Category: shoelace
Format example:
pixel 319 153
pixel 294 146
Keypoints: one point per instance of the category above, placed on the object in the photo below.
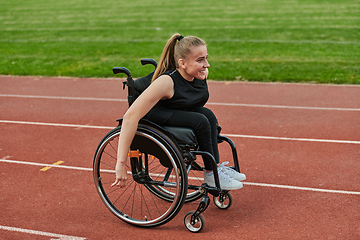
pixel 224 175
pixel 222 165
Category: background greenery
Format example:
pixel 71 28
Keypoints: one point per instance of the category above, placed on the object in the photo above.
pixel 254 40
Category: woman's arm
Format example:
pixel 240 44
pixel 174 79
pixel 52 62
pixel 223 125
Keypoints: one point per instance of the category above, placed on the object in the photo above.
pixel 161 88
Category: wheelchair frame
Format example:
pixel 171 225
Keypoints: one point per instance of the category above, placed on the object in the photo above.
pixel 160 162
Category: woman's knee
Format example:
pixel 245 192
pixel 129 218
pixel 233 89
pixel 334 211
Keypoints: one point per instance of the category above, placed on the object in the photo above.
pixel 208 114
pixel 202 123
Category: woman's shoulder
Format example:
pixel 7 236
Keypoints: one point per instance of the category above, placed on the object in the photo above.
pixel 172 74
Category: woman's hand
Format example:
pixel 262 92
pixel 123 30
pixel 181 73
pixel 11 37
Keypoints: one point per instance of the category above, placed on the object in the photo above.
pixel 121 175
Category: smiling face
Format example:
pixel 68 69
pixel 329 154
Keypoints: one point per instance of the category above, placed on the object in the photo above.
pixel 195 65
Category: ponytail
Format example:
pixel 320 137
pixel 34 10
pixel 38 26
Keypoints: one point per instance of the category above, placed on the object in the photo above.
pixel 167 60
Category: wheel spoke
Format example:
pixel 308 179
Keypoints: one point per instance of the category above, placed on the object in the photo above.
pixel 139 203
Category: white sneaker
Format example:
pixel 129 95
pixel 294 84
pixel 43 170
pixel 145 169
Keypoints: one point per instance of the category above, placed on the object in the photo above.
pixel 226 182
pixel 231 172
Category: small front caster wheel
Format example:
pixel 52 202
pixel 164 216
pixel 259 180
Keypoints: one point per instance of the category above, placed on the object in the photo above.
pixel 194 224
pixel 223 201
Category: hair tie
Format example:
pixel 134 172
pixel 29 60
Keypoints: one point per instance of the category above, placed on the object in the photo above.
pixel 180 37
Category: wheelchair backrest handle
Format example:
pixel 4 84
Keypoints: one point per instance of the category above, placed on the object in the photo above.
pixel 146 61
pixel 136 88
pixel 129 83
pixel 117 70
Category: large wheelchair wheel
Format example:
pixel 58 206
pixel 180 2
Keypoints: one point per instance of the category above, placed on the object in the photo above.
pixel 156 168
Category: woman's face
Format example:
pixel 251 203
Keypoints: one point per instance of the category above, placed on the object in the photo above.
pixel 196 64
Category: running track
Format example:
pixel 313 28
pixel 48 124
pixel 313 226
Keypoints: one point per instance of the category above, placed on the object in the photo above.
pixel 298 144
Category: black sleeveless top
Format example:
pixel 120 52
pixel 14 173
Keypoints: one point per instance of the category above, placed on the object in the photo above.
pixel 187 97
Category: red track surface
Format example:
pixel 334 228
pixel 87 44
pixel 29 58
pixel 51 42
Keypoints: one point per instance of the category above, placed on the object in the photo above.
pixel 319 150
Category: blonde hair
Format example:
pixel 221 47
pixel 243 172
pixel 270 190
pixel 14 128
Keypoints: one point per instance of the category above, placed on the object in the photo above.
pixel 176 48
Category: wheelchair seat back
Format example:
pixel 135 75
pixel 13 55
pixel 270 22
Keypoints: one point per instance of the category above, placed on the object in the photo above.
pixel 140 85
pixel 184 136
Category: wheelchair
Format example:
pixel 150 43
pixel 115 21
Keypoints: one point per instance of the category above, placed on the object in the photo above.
pixel 162 168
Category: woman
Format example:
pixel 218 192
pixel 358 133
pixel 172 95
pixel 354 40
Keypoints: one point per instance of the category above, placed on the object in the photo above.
pixel 176 97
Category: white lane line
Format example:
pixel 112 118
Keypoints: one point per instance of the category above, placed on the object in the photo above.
pixel 209 103
pixel 64 98
pixel 56 124
pixel 41 233
pixel 45 165
pixel 246 183
pixel 293 139
pixel 228 135
pixel 301 188
pixel 284 107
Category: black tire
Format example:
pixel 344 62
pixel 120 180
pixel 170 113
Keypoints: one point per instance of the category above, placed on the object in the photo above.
pixel 135 204
pixel 223 201
pixel 195 226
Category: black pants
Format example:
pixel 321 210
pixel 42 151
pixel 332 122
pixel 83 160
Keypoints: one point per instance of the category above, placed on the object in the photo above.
pixel 203 122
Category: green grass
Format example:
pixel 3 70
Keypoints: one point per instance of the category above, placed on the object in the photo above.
pixel 258 40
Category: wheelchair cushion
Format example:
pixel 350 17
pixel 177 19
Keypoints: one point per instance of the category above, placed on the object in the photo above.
pixel 184 136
